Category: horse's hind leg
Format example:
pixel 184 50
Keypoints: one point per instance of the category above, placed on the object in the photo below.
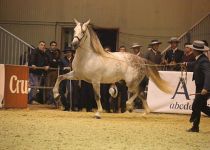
pixel 96 87
pixel 144 102
pixel 142 95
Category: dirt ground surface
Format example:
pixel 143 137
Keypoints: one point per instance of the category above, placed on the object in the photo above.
pixel 44 128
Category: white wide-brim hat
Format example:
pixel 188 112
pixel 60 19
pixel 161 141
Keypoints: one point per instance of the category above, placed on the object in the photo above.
pixel 154 42
pixel 174 39
pixel 135 45
pixel 199 46
pixel 113 91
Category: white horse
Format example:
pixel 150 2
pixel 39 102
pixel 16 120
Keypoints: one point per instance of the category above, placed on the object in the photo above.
pixel 95 65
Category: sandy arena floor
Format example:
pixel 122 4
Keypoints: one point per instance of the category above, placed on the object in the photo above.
pixel 42 129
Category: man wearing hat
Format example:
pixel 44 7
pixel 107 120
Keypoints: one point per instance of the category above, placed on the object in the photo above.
pixel 137 49
pixel 69 101
pixel 201 75
pixel 174 55
pixel 154 54
pixel 188 55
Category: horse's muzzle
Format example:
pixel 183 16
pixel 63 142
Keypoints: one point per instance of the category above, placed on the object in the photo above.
pixel 75 43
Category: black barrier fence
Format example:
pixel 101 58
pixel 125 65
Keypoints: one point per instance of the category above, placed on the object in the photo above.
pixel 42 87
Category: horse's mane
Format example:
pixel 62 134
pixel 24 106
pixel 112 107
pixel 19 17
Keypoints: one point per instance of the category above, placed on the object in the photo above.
pixel 95 43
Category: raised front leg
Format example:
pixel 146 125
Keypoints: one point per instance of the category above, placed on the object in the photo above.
pixel 68 76
pixel 96 87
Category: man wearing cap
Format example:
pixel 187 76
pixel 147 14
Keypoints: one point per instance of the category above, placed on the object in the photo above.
pixel 201 75
pixel 174 55
pixel 137 49
pixel 69 101
pixel 154 54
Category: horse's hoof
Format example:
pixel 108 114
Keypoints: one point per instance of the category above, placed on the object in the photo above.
pixel 56 96
pixel 129 107
pixel 147 111
pixel 97 115
pixel 130 110
pixel 127 112
pixel 144 114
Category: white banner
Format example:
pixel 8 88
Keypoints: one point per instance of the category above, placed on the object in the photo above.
pixel 179 100
pixel 2 83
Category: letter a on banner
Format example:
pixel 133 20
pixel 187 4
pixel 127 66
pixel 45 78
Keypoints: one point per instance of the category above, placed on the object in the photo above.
pixel 181 81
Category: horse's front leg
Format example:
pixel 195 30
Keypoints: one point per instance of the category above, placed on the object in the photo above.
pixel 96 87
pixel 68 76
pixel 129 103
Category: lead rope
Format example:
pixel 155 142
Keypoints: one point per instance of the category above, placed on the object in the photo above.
pixel 184 69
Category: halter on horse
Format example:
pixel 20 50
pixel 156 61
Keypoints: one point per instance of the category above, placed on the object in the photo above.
pixel 95 65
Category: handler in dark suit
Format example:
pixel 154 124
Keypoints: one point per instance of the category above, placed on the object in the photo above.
pixel 201 75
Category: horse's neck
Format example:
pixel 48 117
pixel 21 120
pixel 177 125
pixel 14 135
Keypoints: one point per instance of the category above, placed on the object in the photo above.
pixel 85 47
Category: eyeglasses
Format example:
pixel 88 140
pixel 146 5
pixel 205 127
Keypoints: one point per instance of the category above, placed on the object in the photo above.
pixel 53 45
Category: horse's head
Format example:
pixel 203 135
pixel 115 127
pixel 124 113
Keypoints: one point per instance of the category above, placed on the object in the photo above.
pixel 79 32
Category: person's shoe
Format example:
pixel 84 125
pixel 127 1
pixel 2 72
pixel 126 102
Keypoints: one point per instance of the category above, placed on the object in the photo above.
pixel 35 103
pixel 193 129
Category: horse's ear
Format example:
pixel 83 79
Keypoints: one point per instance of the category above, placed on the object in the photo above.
pixel 84 26
pixel 75 20
pixel 86 23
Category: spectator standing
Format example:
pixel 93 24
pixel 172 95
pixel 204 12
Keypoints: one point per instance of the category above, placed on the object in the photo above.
pixel 68 90
pixel 38 59
pixel 136 48
pixel 174 55
pixel 104 90
pixel 188 55
pixel 122 48
pixel 122 96
pixel 53 54
pixel 154 54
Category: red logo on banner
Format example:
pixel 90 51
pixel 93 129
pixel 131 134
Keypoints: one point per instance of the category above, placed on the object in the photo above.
pixel 16 86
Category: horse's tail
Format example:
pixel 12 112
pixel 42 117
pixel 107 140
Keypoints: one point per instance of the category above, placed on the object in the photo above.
pixel 154 75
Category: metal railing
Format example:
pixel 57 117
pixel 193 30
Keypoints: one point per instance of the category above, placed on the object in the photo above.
pixel 199 31
pixel 13 50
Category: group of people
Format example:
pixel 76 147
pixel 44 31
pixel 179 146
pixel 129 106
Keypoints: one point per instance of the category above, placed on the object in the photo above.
pixel 171 58
pixel 75 95
pixel 195 58
pixel 45 65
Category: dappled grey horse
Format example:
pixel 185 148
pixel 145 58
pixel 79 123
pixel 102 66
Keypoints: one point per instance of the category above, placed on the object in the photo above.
pixel 95 65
